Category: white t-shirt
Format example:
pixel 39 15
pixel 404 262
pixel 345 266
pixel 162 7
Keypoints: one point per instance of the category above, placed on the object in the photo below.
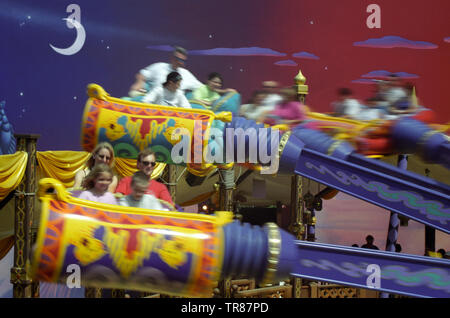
pixel 272 100
pixel 147 201
pixel 369 114
pixel 254 112
pixel 355 110
pixel 394 94
pixel 156 75
pixel 162 96
pixel 348 107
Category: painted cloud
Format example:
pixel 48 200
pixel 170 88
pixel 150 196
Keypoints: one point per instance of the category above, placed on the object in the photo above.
pixel 166 48
pixel 389 42
pixel 242 51
pixel 363 81
pixel 286 63
pixel 305 55
pixel 447 40
pixel 385 74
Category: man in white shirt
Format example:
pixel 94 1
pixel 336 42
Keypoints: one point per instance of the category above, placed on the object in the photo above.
pixel 273 98
pixel 346 106
pixel 155 74
pixel 352 108
pixel 169 93
pixel 395 92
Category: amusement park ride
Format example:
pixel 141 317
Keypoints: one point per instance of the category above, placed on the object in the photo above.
pixel 187 254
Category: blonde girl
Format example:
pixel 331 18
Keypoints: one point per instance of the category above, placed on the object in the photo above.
pixel 96 185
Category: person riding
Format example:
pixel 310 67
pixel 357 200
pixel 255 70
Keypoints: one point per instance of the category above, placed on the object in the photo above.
pixel 169 93
pixel 156 74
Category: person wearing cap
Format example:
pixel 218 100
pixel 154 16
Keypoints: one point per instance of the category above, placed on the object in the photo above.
pixel 155 74
pixel 169 93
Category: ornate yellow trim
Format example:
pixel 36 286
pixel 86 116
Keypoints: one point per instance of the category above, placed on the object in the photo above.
pixel 224 217
pixel 52 189
pixel 225 166
pixel 49 188
pixel 282 127
pixel 283 142
pixel 224 116
pixel 331 119
pixel 375 156
pixel 97 92
pixel 300 81
pixel 274 249
pixel 333 147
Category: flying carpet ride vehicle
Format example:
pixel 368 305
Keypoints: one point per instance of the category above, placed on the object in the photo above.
pixel 184 254
pixel 131 126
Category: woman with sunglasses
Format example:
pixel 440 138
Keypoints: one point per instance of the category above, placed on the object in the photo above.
pixel 146 161
pixel 102 153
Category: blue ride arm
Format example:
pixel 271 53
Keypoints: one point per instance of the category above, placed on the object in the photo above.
pixel 336 164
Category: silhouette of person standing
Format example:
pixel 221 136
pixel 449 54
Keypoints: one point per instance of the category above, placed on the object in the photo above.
pixel 369 243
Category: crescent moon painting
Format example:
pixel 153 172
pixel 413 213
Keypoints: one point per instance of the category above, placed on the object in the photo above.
pixel 79 41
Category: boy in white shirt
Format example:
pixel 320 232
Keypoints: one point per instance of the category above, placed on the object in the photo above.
pixel 138 198
pixel 169 93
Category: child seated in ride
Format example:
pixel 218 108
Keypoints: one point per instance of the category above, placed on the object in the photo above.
pixel 290 111
pixel 348 107
pixel 96 184
pixel 407 104
pixel 138 198
pixel 169 93
pixel 255 108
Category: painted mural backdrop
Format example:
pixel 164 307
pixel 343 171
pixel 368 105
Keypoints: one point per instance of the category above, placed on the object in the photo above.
pixel 52 49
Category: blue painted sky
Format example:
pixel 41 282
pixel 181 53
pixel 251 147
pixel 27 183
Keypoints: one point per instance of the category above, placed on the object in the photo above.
pixel 45 92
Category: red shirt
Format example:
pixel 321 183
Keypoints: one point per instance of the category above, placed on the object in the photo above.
pixel 155 188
